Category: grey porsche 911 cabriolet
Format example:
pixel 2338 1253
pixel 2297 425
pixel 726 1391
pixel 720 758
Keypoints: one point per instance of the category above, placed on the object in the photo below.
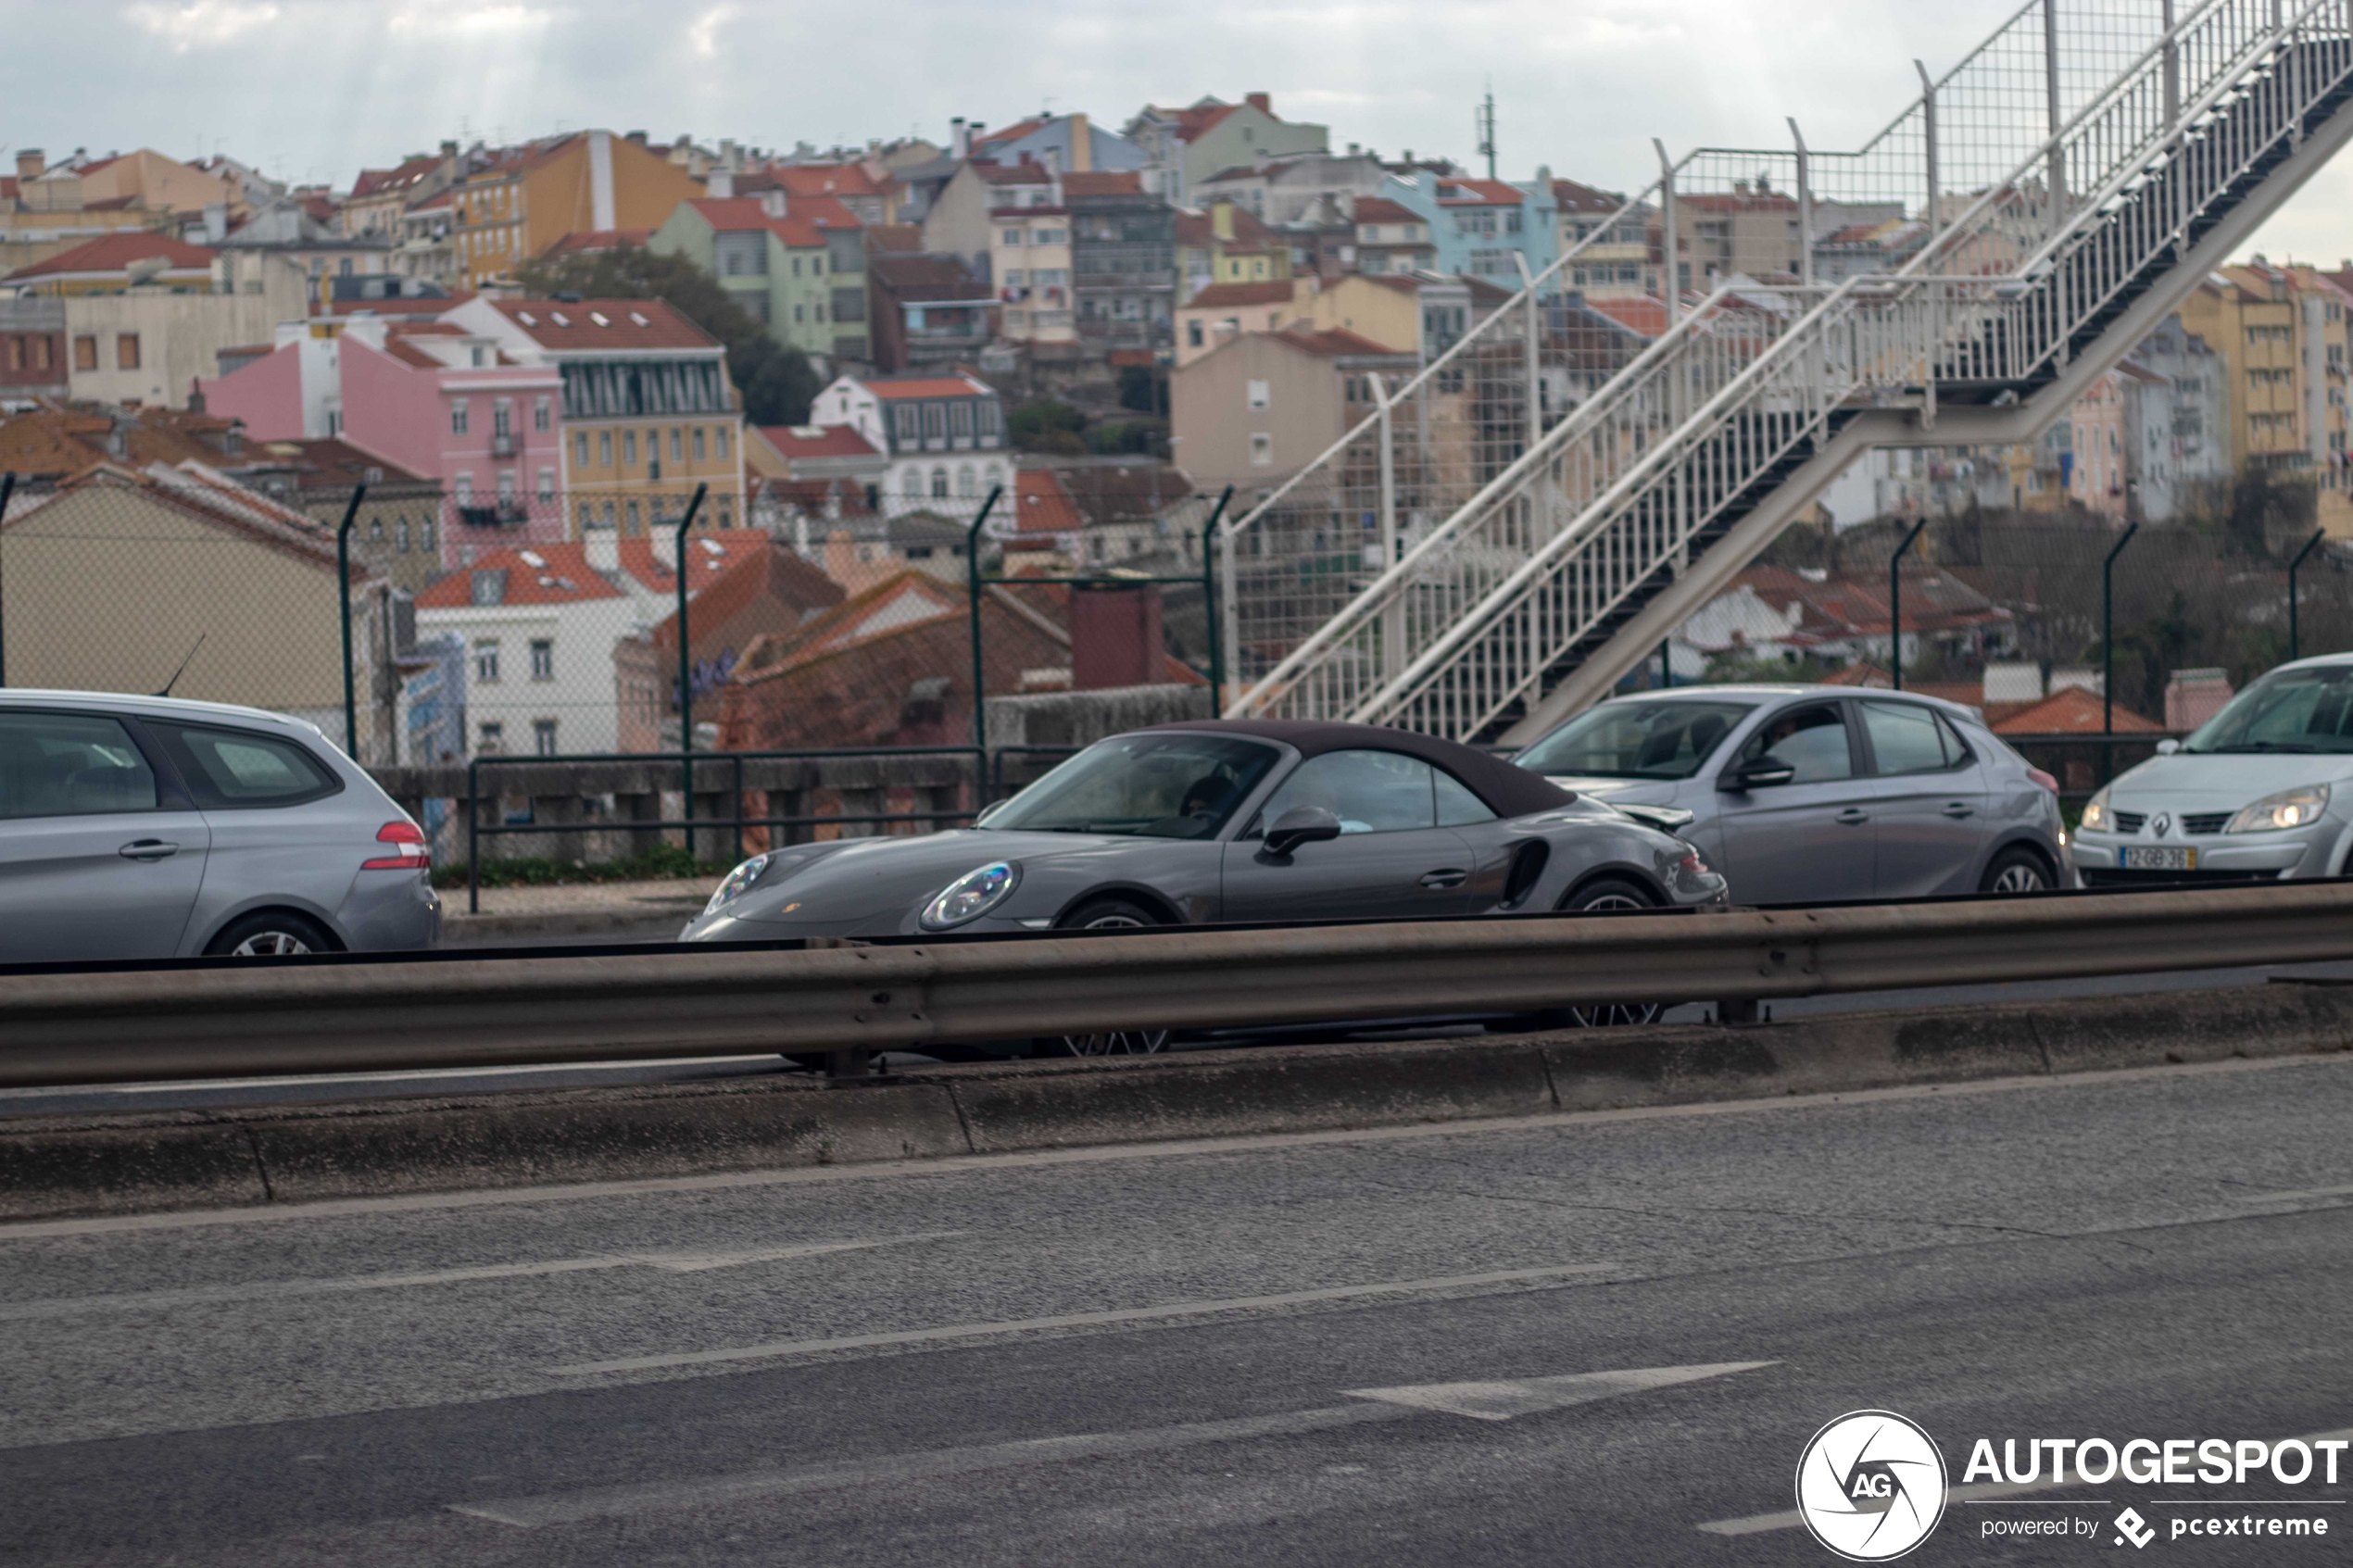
pixel 1228 821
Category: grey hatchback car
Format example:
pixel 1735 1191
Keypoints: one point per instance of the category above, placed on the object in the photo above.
pixel 1802 794
pixel 137 827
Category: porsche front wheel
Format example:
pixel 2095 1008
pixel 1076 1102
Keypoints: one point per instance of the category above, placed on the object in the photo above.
pixel 1107 914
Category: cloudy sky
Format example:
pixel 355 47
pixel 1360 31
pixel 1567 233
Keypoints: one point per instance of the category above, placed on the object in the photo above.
pixel 313 90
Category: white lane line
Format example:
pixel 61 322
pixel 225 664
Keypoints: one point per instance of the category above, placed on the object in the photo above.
pixel 566 1508
pixel 1176 1148
pixel 398 1075
pixel 2306 1195
pixel 202 1295
pixel 1759 1524
pixel 1079 1320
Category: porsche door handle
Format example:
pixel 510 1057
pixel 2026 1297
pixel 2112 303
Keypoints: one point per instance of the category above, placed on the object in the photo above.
pixel 1852 816
pixel 1446 877
pixel 148 849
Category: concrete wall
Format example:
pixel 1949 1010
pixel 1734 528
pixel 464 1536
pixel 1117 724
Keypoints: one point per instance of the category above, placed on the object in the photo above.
pixel 181 337
pixel 1077 718
pixel 1209 403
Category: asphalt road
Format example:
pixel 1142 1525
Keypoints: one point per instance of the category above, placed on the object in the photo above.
pixel 1231 1353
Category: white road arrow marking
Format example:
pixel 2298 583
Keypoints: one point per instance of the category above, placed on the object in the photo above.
pixel 1483 1401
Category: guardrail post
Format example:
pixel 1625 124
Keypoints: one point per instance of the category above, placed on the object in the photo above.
pixel 1895 605
pixel 342 586
pixel 856 1063
pixel 685 679
pixel 2295 643
pixel 8 488
pixel 2107 648
pixel 1209 600
pixel 972 580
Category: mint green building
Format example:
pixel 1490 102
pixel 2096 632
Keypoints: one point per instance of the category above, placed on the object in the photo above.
pixel 802 274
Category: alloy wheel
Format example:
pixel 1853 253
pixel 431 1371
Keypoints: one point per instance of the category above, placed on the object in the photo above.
pixel 270 944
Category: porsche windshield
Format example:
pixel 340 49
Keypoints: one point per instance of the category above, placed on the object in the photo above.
pixel 1635 740
pixel 1149 787
pixel 2307 709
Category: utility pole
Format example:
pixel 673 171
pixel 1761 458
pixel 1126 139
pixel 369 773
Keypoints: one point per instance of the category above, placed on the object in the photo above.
pixel 1484 123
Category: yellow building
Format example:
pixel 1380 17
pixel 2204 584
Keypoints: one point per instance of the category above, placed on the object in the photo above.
pixel 648 412
pixel 2283 333
pixel 1227 245
pixel 522 200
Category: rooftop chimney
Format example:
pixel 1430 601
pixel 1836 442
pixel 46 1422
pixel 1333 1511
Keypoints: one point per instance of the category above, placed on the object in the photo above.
pixel 1260 102
pixel 1221 219
pixel 959 137
pixel 29 163
pixel 603 548
pixel 636 136
pixel 719 185
pixel 772 201
pixel 448 150
pixel 1082 146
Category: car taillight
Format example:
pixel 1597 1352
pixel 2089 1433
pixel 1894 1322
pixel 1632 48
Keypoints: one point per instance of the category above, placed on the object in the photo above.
pixel 2043 779
pixel 411 852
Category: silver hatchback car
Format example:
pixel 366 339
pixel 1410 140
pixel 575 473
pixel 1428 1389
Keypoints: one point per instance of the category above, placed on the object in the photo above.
pixel 140 827
pixel 1803 794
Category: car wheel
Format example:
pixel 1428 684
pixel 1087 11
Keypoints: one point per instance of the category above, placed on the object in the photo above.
pixel 1606 894
pixel 272 934
pixel 2017 869
pixel 1106 914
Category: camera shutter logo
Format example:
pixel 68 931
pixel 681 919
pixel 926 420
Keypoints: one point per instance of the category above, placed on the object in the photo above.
pixel 1870 1486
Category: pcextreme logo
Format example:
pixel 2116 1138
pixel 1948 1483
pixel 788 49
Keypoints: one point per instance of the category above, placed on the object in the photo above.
pixel 1870 1486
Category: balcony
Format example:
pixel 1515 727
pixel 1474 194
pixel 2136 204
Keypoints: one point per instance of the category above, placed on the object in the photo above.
pixel 505 514
pixel 502 446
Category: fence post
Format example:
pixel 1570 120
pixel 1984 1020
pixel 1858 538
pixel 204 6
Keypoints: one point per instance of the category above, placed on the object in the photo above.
pixel 8 488
pixel 1670 284
pixel 2294 643
pixel 1804 206
pixel 343 584
pixel 1928 136
pixel 2056 121
pixel 2107 647
pixel 1895 605
pixel 1209 600
pixel 1531 355
pixel 473 835
pixel 685 679
pixel 971 580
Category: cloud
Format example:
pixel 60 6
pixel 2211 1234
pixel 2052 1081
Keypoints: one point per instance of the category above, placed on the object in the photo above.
pixel 202 23
pixel 480 21
pixel 703 36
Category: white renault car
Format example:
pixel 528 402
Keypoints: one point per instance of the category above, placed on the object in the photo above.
pixel 2262 792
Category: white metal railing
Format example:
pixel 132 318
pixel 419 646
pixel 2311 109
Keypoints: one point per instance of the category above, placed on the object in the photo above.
pixel 1557 509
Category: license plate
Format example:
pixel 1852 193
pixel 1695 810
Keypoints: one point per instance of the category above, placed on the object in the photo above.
pixel 2160 860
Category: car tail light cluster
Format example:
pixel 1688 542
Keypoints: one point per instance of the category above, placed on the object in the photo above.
pixel 409 852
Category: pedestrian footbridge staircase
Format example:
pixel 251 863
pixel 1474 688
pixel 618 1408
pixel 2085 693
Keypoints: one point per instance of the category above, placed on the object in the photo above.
pixel 1508 533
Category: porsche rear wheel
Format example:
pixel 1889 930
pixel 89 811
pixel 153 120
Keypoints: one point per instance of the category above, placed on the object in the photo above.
pixel 1606 895
pixel 1107 914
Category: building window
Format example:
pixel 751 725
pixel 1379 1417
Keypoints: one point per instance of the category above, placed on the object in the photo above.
pixel 608 514
pixel 908 422
pixel 580 449
pixel 486 663
pixel 375 530
pixel 699 444
pixel 1261 450
pixel 16 353
pixel 126 351
pixel 796 314
pixel 547 485
pixel 400 535
pixel 457 421
pixel 502 417
pixel 542 659
pixel 425 532
pixel 335 422
pixel 939 485
pixel 465 488
pixel 913 485
pixel 726 513
pixel 494 737
pixel 604 447
pixel 722 434
pixel 960 418
pixel 41 356
pixel 677 446
pixel 966 483
pixel 1257 394
pixel 1192 333
pixel 543 736
pixel 1012 236
pixel 506 488
pixel 633 517
pixel 629 448
pixel 543 412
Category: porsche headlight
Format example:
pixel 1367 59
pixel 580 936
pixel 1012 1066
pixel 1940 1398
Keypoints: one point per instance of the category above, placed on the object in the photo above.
pixel 970 895
pixel 2289 808
pixel 738 882
pixel 2096 816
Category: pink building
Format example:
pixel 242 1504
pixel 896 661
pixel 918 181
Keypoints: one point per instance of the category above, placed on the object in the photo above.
pixel 429 395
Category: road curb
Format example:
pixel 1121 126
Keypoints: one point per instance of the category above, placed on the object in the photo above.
pixel 58 1166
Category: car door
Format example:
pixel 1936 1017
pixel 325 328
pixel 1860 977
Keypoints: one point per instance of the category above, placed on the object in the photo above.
pixel 1811 839
pixel 100 855
pixel 283 832
pixel 1392 858
pixel 1928 800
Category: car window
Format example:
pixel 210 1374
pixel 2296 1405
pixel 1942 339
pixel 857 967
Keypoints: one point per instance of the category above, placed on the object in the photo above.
pixel 1636 739
pixel 240 767
pixel 1180 784
pixel 1906 738
pixel 1368 791
pixel 1957 749
pixel 1811 740
pixel 1457 807
pixel 2295 710
pixel 70 765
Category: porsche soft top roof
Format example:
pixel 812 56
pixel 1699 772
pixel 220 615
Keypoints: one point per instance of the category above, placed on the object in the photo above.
pixel 1507 791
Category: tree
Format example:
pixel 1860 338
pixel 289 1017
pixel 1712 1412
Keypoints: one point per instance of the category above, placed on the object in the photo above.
pixel 1047 426
pixel 777 382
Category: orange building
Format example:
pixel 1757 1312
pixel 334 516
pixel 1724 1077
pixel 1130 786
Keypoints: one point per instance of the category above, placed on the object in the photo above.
pixel 526 199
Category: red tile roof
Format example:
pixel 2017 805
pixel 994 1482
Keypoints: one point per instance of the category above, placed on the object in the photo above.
pixel 586 325
pixel 1041 505
pixel 801 228
pixel 2071 710
pixel 1103 183
pixel 112 253
pixel 708 558
pixel 587 241
pixel 1196 122
pixel 994 173
pixel 1646 317
pixel 1459 190
pixel 798 443
pixel 1380 209
pixel 375 181
pixel 894 238
pixel 1015 131
pixel 810 179
pixel 1221 295
pixel 1334 342
pixel 923 386
pixel 1571 196
pixel 536 575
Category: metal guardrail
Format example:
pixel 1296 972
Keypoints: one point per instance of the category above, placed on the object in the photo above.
pixel 373 1014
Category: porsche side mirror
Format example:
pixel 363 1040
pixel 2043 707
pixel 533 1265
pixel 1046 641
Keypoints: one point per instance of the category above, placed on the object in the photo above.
pixel 1301 824
pixel 1762 772
pixel 2168 747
